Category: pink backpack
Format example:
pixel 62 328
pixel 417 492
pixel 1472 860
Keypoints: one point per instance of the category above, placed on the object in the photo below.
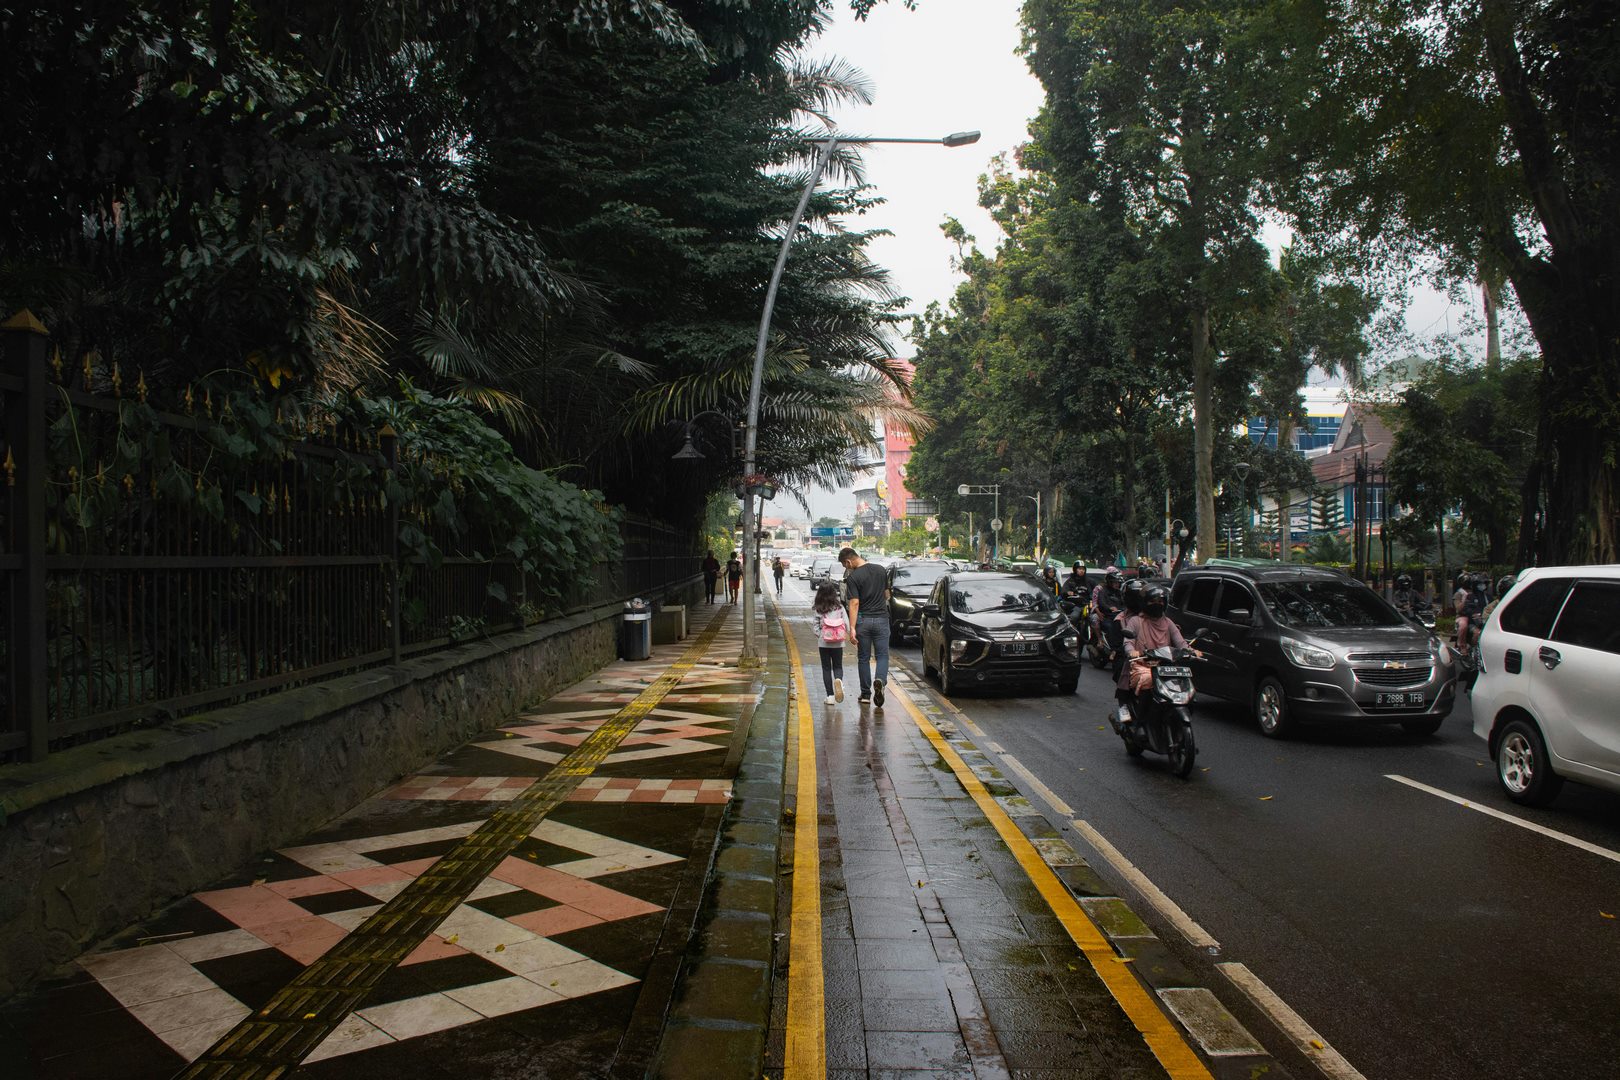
pixel 834 627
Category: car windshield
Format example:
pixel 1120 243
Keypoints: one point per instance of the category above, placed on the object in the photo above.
pixel 919 576
pixel 999 594
pixel 1327 604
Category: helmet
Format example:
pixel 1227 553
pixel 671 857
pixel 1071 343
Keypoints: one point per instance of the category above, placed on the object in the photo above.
pixel 1481 582
pixel 1404 581
pixel 1154 600
pixel 1115 576
pixel 1134 590
pixel 1504 583
pixel 1079 566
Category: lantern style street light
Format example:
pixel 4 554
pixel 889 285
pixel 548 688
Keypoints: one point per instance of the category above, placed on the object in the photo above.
pixel 750 648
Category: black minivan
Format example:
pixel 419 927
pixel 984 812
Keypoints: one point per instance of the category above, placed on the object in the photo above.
pixel 1306 643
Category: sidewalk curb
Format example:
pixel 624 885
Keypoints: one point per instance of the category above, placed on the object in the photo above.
pixel 720 1012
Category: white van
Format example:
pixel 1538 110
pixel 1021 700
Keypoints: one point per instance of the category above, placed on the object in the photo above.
pixel 1545 701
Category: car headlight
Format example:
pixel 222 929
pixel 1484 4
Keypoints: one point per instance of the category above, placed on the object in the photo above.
pixel 958 647
pixel 1070 643
pixel 1307 656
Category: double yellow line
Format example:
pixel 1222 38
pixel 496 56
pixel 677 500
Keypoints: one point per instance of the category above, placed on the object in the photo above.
pixel 806 1052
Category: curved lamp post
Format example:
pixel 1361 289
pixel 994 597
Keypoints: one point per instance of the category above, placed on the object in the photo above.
pixel 750 649
pixel 1242 469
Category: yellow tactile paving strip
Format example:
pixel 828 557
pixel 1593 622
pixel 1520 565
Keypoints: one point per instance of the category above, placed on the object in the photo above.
pixel 272 1041
pixel 806 1057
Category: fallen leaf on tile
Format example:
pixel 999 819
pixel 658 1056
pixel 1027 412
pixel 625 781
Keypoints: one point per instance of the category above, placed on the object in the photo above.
pixel 452 939
pixel 1265 798
pixel 1605 914
pixel 1318 1044
pixel 309 1016
pixel 500 948
pixel 259 881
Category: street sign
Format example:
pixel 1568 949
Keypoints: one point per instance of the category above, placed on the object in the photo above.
pixel 921 508
pixel 931 525
pixel 825 532
pixel 995 524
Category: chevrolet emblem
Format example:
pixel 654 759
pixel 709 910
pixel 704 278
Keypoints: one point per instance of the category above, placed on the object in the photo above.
pixel 1394 665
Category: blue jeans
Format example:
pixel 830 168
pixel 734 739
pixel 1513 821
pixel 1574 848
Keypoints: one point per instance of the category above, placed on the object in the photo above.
pixel 872 635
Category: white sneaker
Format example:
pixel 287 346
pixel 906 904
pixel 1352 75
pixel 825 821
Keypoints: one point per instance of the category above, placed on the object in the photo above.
pixel 838 690
pixel 831 700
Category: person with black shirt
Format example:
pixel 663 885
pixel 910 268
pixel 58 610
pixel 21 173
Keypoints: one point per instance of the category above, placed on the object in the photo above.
pixel 711 573
pixel 867 586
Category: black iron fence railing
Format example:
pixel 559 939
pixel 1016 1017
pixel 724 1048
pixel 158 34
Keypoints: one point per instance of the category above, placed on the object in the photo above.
pixel 148 568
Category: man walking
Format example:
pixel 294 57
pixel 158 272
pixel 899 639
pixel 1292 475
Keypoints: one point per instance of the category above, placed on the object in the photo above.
pixel 778 569
pixel 868 589
pixel 711 574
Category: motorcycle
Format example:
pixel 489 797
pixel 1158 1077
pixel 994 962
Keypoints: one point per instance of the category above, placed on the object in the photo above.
pixel 1161 722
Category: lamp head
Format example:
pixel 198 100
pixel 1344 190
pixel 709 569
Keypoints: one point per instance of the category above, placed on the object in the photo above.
pixel 960 138
pixel 688 452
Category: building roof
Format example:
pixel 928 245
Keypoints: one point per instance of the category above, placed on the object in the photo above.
pixel 1363 429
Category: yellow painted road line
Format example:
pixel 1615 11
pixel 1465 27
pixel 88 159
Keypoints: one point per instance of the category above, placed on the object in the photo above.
pixel 1162 1036
pixel 806 1057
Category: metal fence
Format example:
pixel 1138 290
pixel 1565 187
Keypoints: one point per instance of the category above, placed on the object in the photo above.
pixel 145 571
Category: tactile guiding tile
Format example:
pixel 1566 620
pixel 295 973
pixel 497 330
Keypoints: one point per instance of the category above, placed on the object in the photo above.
pixel 1218 1032
pixel 321 997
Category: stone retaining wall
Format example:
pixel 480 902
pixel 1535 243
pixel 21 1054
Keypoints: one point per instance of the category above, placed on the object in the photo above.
pixel 100 836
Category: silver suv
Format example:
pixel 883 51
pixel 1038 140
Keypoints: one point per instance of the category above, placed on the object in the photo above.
pixel 1305 643
pixel 1550 663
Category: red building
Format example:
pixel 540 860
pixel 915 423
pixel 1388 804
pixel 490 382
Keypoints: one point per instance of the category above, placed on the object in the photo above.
pixel 896 456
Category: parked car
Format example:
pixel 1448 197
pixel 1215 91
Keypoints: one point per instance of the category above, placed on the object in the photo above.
pixel 910 584
pixel 1305 643
pixel 989 628
pixel 824 570
pixel 1550 663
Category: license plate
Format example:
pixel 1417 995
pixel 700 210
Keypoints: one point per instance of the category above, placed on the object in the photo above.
pixel 1400 699
pixel 1175 672
pixel 1019 648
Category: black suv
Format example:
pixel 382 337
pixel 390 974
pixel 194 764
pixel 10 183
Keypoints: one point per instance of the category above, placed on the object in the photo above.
pixel 909 586
pixel 1305 643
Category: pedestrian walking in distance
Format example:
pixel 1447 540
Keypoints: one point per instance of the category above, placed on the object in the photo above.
pixel 868 589
pixel 711 573
pixel 733 578
pixel 832 630
pixel 778 570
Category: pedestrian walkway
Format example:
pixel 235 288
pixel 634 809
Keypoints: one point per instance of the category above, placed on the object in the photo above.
pixel 929 936
pixel 506 912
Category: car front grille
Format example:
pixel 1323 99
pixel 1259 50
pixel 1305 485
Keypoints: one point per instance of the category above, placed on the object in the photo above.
pixel 1394 677
pixel 1403 657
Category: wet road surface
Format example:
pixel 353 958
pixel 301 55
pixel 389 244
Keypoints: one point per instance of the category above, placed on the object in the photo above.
pixel 1420 937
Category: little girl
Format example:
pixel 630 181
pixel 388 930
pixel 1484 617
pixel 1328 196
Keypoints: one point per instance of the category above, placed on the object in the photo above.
pixel 832 630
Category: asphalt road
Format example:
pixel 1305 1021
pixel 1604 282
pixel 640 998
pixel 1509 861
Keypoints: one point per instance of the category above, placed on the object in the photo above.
pixel 1423 939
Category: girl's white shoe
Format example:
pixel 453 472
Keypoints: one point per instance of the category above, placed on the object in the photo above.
pixel 831 700
pixel 838 690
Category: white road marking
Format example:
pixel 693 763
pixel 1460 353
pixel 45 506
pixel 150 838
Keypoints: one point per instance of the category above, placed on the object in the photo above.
pixel 1305 1037
pixel 1572 841
pixel 1196 935
pixel 1040 789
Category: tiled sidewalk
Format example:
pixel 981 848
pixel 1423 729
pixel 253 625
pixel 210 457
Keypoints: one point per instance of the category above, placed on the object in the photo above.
pixel 940 957
pixel 538 972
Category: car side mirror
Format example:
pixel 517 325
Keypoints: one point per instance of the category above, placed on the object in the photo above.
pixel 930 611
pixel 1207 635
pixel 1240 617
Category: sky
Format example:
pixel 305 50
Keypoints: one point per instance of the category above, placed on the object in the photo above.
pixel 952 65
pixel 949 66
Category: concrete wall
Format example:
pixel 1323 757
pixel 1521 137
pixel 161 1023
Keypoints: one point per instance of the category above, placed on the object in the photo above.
pixel 100 836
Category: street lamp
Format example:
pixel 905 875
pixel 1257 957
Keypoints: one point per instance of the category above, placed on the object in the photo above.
pixel 750 651
pixel 690 452
pixel 1036 499
pixel 1242 470
pixel 995 521
pixel 1179 534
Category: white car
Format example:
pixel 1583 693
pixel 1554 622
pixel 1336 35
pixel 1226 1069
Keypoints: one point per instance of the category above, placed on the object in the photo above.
pixel 1550 666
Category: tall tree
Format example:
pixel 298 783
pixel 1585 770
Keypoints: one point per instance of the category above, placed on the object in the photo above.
pixel 1484 130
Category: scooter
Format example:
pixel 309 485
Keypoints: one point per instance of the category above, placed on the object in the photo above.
pixel 1162 722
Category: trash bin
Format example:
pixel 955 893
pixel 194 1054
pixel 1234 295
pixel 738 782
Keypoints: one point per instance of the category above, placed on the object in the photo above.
pixel 635 635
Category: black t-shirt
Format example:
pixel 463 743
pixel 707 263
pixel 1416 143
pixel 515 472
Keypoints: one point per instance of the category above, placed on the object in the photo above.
pixel 868 583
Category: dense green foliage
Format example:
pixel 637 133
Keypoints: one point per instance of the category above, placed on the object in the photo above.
pixel 560 215
pixel 1133 316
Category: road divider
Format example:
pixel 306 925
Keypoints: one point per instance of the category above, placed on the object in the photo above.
pixel 1167 908
pixel 1312 1045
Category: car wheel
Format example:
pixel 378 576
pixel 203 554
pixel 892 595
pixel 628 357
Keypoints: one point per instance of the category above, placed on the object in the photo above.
pixel 1427 726
pixel 1271 708
pixel 928 669
pixel 1522 765
pixel 1069 684
pixel 897 636
pixel 947 682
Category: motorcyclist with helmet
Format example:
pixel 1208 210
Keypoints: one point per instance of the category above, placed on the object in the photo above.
pixel 1107 601
pixel 1049 578
pixel 1469 611
pixel 1503 584
pixel 1074 588
pixel 1145 631
pixel 1134 602
pixel 1409 601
